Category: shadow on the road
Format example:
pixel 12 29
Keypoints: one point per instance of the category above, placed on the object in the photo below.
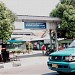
pixel 55 73
pixel 52 73
pixel 66 74
pixel 30 55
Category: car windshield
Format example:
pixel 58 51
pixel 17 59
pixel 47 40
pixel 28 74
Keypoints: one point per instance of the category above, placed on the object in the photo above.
pixel 72 45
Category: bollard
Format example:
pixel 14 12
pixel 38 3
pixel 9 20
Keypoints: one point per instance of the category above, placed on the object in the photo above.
pixel 1 65
pixel 16 63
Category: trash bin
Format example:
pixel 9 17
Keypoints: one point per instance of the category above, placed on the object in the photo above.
pixel 4 53
pixel 0 58
pixel 5 56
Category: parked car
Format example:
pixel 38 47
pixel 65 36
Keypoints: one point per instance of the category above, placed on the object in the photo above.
pixel 63 61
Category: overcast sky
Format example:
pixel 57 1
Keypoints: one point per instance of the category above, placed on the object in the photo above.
pixel 31 7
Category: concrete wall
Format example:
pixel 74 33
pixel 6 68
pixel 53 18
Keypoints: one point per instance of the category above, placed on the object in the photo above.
pixel 19 25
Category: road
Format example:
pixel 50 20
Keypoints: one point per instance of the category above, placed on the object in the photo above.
pixel 35 64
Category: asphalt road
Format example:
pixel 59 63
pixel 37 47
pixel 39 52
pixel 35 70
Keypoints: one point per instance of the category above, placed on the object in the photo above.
pixel 31 64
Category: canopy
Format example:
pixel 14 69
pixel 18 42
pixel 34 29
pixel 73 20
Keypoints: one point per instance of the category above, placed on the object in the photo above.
pixel 72 44
pixel 65 41
pixel 15 41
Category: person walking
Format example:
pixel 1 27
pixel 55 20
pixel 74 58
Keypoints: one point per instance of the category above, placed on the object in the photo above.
pixel 43 48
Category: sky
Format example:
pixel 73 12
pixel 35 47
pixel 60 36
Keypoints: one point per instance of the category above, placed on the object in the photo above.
pixel 31 7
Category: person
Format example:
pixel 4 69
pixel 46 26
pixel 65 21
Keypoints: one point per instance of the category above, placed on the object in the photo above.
pixel 27 47
pixel 31 47
pixel 61 47
pixel 43 48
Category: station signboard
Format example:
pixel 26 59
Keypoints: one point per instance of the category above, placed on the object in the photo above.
pixel 35 25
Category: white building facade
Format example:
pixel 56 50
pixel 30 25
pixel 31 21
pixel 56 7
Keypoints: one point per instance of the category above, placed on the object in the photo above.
pixel 30 28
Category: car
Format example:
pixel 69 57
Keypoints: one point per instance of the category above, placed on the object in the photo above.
pixel 63 61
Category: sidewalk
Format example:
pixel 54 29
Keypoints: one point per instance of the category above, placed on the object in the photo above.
pixel 24 60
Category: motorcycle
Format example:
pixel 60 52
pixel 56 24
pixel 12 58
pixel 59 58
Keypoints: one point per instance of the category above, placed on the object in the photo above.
pixel 49 51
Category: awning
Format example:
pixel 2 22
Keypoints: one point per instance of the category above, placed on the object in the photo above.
pixel 15 41
pixel 65 41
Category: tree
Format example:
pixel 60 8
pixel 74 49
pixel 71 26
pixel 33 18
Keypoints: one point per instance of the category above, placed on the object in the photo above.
pixel 7 18
pixel 65 10
pixel 69 2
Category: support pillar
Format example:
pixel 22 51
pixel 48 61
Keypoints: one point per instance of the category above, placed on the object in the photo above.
pixel 50 38
pixel 56 41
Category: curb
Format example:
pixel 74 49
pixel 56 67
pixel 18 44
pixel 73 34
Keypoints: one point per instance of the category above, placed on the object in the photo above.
pixel 10 64
pixel 16 62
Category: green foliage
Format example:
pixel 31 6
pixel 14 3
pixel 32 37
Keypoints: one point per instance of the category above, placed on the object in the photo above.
pixel 7 19
pixel 66 11
pixel 68 2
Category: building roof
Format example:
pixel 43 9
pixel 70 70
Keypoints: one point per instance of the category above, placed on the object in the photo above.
pixel 37 18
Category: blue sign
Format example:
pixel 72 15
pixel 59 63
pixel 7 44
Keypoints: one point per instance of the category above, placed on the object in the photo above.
pixel 35 25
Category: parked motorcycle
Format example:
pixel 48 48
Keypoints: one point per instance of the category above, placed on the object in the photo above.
pixel 49 51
